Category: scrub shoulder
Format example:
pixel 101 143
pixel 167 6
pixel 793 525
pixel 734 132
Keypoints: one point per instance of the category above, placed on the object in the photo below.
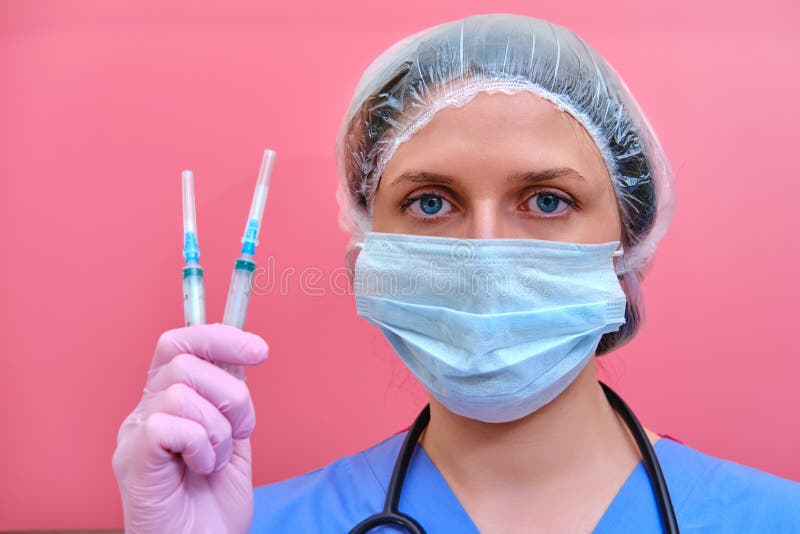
pixel 330 499
pixel 716 495
pixel 709 494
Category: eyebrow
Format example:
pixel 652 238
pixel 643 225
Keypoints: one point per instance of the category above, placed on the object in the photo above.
pixel 425 177
pixel 547 174
pixel 517 178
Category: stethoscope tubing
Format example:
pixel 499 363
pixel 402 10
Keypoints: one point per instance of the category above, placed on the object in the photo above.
pixel 390 515
pixel 651 463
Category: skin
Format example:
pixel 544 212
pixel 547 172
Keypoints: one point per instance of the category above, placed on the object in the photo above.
pixel 474 169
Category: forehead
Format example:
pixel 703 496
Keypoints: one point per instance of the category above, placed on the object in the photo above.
pixel 502 131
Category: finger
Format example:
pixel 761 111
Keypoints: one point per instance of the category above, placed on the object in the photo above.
pixel 227 394
pixel 182 401
pixel 212 342
pixel 168 434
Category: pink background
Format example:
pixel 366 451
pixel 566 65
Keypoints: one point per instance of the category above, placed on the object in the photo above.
pixel 103 103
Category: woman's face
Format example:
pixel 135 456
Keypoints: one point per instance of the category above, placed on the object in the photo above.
pixel 500 166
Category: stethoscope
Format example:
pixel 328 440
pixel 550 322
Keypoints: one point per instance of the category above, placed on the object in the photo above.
pixel 390 515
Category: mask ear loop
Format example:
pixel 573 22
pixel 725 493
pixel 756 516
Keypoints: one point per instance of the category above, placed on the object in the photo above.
pixel 619 265
pixel 351 256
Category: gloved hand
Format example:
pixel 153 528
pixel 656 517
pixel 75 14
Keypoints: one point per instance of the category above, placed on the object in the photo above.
pixel 183 461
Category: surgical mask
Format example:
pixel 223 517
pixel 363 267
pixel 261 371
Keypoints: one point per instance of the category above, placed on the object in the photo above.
pixel 494 329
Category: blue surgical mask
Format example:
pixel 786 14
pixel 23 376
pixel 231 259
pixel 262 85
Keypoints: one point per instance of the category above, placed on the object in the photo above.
pixel 493 328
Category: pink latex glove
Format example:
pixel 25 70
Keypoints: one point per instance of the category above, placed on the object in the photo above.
pixel 183 461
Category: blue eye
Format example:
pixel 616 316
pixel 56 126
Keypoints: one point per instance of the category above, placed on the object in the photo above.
pixel 430 204
pixel 427 205
pixel 547 203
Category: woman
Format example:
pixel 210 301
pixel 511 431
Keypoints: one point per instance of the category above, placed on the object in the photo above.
pixel 505 194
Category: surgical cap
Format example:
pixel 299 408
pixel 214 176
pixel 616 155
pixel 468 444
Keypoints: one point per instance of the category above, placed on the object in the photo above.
pixel 449 64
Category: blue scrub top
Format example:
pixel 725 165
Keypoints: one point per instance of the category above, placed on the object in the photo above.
pixel 709 495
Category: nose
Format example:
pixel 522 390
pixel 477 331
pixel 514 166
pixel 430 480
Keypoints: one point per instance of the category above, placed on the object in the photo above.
pixel 485 222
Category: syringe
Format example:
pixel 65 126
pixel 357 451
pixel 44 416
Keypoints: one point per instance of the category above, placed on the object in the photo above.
pixel 194 298
pixel 239 293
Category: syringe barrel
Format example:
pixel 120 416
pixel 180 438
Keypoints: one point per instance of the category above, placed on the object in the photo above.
pixel 236 305
pixel 194 296
pixel 239 293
